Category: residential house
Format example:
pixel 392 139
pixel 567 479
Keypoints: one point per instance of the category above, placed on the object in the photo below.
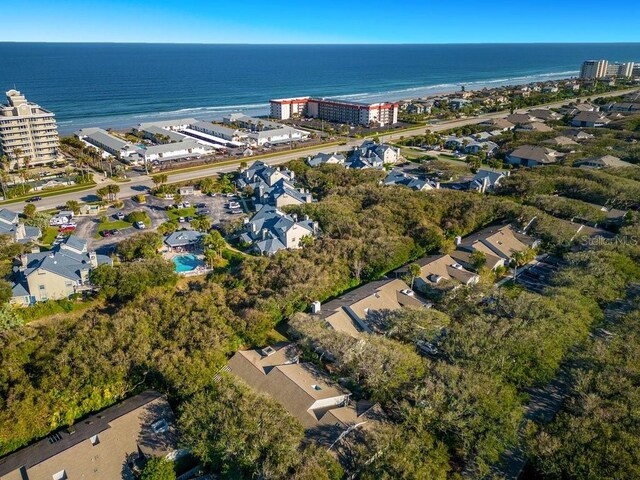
pixel 536 127
pixel 323 407
pixel 397 177
pixel 357 311
pixel 436 270
pixel 590 119
pixel 458 103
pixel 475 147
pixel 111 444
pixel 498 124
pixel 500 241
pixel 602 162
pixel 272 186
pixel 486 180
pixel 373 155
pixel 531 156
pixel 521 118
pixel 575 108
pixel 18 232
pixel 260 172
pixel 281 194
pixel 466 259
pixel 326 159
pixel 545 114
pixel 56 274
pixel 577 134
pixel 271 230
pixel 561 141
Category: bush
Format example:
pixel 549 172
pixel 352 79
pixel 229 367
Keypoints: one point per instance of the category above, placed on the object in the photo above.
pixel 158 468
pixel 138 216
pixel 141 245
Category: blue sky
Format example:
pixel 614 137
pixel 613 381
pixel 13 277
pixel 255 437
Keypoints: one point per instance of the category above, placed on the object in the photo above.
pixel 330 21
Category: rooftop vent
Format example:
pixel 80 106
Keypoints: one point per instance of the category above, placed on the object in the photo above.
pixel 316 307
pixel 457 266
pixel 56 437
pixel 267 351
pixel 160 426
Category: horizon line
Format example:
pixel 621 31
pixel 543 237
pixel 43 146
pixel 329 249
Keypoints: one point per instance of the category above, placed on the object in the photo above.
pixel 106 42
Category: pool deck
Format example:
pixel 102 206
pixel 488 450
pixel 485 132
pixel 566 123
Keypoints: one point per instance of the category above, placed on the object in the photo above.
pixel 198 270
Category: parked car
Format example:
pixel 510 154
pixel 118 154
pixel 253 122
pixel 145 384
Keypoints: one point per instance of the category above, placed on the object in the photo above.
pixel 204 211
pixel 120 216
pixel 236 211
pixel 106 233
pixel 66 229
pixel 186 204
pixel 181 220
pixel 200 205
pixel 189 219
pixel 140 225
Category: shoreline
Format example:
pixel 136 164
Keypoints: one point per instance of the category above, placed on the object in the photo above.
pixel 119 122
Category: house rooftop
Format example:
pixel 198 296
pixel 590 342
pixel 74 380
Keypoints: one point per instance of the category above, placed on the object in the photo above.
pixel 132 422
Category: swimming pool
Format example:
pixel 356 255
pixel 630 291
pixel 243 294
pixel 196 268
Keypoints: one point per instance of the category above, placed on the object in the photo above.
pixel 186 263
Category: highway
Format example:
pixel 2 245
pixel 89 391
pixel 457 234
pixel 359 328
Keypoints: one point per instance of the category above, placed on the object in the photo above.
pixel 142 183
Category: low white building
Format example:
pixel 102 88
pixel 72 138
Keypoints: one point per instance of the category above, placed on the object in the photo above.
pixel 106 142
pixel 172 151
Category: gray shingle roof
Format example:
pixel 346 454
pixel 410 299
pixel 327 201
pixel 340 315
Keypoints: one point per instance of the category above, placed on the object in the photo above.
pixel 183 238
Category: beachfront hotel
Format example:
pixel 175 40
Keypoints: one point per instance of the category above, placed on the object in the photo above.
pixel 602 69
pixel 355 113
pixel 27 131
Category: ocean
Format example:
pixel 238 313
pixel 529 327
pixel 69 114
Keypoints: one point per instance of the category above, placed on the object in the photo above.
pixel 119 85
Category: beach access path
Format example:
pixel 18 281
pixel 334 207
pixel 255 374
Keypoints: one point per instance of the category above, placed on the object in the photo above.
pixel 142 183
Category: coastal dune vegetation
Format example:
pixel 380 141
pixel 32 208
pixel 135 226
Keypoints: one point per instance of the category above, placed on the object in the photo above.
pixel 457 412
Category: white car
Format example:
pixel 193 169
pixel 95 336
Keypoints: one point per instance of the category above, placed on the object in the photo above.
pixel 140 225
pixel 186 204
pixel 181 220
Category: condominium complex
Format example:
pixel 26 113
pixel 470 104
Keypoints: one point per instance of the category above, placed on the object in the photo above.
pixel 620 69
pixel 602 68
pixel 27 131
pixel 355 113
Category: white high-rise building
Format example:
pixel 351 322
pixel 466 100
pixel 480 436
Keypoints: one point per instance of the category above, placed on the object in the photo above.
pixel 27 131
pixel 620 69
pixel 594 69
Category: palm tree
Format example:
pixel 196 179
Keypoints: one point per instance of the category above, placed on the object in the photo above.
pixel 4 177
pixel 110 162
pixel 113 191
pixel 414 270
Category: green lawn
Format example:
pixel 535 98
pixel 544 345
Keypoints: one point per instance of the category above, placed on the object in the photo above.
pixel 112 225
pixel 175 213
pixel 49 236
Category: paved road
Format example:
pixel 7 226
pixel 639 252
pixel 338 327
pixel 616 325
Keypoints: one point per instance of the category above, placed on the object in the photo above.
pixel 142 183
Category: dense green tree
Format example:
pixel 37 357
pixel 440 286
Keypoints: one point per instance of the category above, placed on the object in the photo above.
pixel 240 432
pixel 29 210
pixel 158 468
pixel 140 245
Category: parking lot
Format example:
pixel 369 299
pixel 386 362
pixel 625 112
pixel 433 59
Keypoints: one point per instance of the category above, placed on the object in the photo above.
pixel 536 276
pixel 215 207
